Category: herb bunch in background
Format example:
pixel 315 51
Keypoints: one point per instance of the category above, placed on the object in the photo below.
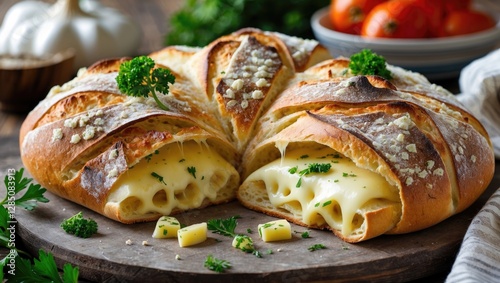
pixel 199 22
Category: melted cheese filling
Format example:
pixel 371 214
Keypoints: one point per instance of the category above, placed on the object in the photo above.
pixel 178 176
pixel 338 197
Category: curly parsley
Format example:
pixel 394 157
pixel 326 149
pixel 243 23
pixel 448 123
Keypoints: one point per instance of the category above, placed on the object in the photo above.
pixel 366 62
pixel 139 77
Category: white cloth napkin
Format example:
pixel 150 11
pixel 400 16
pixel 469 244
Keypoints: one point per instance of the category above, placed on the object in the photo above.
pixel 479 257
pixel 480 93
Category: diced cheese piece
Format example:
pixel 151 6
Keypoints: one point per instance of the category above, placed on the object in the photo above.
pixel 244 243
pixel 166 227
pixel 192 235
pixel 277 230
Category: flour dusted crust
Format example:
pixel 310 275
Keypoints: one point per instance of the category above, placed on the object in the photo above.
pixel 247 101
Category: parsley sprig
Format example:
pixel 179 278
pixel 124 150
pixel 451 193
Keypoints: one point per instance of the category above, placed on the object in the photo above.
pixel 366 62
pixel 139 77
pixel 224 227
pixel 32 195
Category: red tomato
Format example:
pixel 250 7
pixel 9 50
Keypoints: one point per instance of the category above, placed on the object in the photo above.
pixel 348 15
pixel 434 11
pixel 454 5
pixel 465 22
pixel 395 19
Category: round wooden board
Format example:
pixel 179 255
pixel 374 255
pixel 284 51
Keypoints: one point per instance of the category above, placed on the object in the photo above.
pixel 106 257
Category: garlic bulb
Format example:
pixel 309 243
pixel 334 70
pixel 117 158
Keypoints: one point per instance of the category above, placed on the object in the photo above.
pixel 95 32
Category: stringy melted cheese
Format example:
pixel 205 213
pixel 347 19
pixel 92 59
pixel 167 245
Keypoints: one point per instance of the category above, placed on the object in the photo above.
pixel 338 197
pixel 176 176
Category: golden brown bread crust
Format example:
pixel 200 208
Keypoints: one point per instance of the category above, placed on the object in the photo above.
pixel 450 166
pixel 246 93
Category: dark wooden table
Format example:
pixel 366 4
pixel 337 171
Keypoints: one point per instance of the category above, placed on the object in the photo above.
pixel 152 15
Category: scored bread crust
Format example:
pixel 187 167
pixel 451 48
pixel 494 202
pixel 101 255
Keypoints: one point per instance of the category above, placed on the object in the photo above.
pixel 242 96
pixel 357 117
pixel 108 123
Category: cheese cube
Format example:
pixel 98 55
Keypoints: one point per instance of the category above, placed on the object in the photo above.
pixel 277 230
pixel 192 235
pixel 166 227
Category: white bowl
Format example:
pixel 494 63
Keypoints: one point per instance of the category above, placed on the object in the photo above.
pixel 436 58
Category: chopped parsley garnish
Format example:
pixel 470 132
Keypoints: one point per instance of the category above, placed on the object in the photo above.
pixel 316 247
pixel 139 77
pixel 327 203
pixel 366 62
pixel 257 253
pixel 158 177
pixel 217 265
pixel 348 175
pixel 311 168
pixel 192 171
pixel 293 170
pixel 305 235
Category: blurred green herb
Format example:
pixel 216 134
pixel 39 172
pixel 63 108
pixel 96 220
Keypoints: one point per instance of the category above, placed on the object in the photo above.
pixel 199 22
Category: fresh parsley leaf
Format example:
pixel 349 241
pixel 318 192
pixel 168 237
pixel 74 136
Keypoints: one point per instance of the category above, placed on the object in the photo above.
pixel 215 264
pixel 366 62
pixel 45 265
pixel 44 269
pixel 31 196
pixel 139 77
pixel 4 233
pixel 225 227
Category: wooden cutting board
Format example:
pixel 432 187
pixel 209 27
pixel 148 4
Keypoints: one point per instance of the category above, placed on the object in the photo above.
pixel 106 257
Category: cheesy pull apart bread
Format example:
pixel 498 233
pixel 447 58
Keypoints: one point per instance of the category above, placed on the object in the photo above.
pixel 271 120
